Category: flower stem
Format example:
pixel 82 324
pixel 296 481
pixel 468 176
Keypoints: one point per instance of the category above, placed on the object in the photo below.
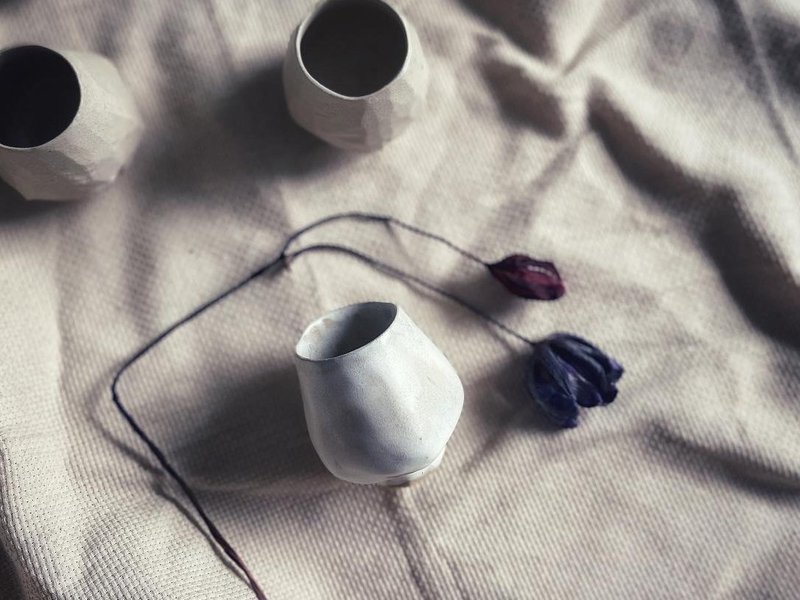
pixel 403 275
pixel 363 216
pixel 215 533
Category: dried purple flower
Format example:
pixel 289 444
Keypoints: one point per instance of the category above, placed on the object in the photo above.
pixel 528 278
pixel 565 372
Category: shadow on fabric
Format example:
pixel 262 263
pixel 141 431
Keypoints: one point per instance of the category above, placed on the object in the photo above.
pixel 523 100
pixel 733 464
pixel 481 290
pixel 10 585
pixel 256 116
pixel 256 435
pixel 245 136
pixel 765 292
pixel 504 409
pixel 512 400
pixel 14 208
pixel 531 34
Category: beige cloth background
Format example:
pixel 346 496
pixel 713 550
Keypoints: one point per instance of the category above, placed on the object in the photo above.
pixel 650 148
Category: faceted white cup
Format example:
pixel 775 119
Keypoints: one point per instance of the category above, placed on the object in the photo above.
pixel 68 123
pixel 380 399
pixel 355 74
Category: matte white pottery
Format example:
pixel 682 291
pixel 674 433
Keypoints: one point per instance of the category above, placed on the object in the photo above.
pixel 380 399
pixel 355 74
pixel 67 122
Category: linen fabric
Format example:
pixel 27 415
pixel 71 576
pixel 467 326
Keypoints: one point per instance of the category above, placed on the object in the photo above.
pixel 650 149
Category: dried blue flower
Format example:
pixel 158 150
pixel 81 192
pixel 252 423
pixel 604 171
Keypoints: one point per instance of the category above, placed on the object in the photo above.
pixel 565 372
pixel 528 278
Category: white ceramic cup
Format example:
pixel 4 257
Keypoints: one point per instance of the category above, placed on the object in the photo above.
pixel 355 74
pixel 380 399
pixel 68 123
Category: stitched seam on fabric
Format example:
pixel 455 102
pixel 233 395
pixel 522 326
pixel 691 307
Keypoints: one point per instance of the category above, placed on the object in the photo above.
pixel 10 535
pixel 419 549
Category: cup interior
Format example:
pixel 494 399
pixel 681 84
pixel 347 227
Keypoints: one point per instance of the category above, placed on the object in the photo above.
pixel 39 96
pixel 354 47
pixel 345 330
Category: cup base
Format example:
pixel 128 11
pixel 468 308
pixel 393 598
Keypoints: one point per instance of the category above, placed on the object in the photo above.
pixel 399 480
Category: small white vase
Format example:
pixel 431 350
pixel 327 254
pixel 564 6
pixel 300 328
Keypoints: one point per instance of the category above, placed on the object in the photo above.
pixel 355 74
pixel 380 399
pixel 68 123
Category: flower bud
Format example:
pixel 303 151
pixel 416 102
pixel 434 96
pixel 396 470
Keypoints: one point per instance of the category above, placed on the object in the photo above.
pixel 529 278
pixel 566 372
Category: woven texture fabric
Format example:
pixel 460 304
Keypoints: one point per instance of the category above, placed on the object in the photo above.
pixel 649 148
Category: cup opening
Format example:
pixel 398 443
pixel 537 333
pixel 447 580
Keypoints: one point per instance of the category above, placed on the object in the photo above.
pixel 354 47
pixel 39 96
pixel 346 329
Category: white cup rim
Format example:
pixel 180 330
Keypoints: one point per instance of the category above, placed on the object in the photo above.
pixel 303 343
pixel 77 110
pixel 301 29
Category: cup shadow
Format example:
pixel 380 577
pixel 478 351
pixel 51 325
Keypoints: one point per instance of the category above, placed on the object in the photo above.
pixel 14 207
pixel 509 384
pixel 8 571
pixel 482 291
pixel 501 404
pixel 245 135
pixel 255 437
pixel 255 114
pixel 12 204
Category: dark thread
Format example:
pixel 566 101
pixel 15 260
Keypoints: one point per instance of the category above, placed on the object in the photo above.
pixel 395 272
pixel 362 216
pixel 216 534
pixel 283 259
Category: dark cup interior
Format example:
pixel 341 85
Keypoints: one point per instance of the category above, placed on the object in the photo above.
pixel 354 47
pixel 345 330
pixel 39 96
